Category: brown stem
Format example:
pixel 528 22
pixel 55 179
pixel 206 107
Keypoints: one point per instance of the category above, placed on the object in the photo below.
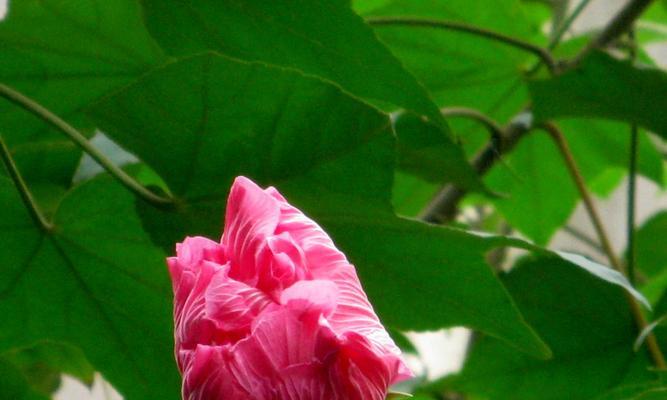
pixel 543 54
pixel 640 320
pixel 496 131
pixel 444 205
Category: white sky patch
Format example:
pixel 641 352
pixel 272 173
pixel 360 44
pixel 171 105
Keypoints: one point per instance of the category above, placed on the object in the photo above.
pixel 4 7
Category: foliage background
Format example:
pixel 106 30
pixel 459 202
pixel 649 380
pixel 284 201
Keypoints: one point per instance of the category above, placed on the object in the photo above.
pixel 296 94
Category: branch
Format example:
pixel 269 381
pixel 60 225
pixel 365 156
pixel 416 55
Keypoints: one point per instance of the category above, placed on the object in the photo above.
pixel 26 196
pixel 620 24
pixel 35 108
pixel 543 54
pixel 444 205
pixel 496 131
pixel 640 320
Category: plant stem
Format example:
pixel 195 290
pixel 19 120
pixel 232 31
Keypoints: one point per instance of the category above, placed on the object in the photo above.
pixel 543 54
pixel 496 131
pixel 640 320
pixel 26 196
pixel 443 206
pixel 35 108
pixel 618 25
pixel 632 182
pixel 632 188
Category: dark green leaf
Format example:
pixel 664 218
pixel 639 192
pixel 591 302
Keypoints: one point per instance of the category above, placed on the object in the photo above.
pixel 587 324
pixel 96 282
pixel 13 384
pixel 651 252
pixel 331 155
pixel 323 38
pixel 608 88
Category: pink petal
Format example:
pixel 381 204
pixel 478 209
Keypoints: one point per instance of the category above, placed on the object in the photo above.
pixel 250 218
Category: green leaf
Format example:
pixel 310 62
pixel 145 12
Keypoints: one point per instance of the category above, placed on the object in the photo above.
pixel 651 253
pixel 651 257
pixel 96 281
pixel 43 363
pixel 586 323
pixel 634 391
pixel 410 194
pixel 323 38
pixel 13 384
pixel 65 55
pixel 331 155
pixel 607 88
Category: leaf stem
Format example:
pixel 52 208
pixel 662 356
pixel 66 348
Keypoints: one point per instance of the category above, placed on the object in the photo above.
pixel 496 131
pixel 543 54
pixel 640 320
pixel 37 109
pixel 26 196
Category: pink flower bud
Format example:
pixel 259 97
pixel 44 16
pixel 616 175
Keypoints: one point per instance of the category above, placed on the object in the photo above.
pixel 275 311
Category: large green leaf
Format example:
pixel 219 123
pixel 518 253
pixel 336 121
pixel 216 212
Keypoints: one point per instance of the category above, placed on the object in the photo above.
pixel 323 38
pixel 586 323
pixel 201 121
pixel 96 281
pixel 605 87
pixel 65 54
